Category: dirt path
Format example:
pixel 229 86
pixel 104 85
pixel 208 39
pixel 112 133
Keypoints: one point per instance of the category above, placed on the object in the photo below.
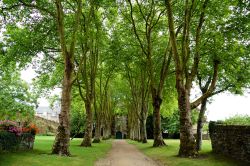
pixel 124 154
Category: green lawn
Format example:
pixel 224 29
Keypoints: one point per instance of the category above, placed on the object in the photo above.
pixel 168 155
pixel 41 156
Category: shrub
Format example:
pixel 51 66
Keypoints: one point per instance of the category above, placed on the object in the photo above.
pixel 10 126
pixel 27 141
pixel 12 137
pixel 7 123
pixel 30 129
pixel 9 141
pixel 238 120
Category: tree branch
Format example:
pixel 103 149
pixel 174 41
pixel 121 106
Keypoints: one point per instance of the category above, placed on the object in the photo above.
pixel 197 42
pixel 208 93
pixel 173 40
pixel 39 8
pixel 75 28
pixel 134 27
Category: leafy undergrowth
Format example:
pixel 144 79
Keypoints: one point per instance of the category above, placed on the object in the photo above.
pixel 41 156
pixel 168 155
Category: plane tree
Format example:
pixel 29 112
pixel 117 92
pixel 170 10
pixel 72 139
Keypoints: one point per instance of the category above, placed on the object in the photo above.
pixel 190 50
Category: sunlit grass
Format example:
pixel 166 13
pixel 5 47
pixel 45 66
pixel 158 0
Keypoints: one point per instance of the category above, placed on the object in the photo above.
pixel 41 156
pixel 168 155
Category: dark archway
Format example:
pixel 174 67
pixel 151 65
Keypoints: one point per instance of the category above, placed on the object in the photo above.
pixel 118 135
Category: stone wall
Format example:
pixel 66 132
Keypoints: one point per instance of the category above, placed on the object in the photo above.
pixel 46 126
pixel 230 140
pixel 121 125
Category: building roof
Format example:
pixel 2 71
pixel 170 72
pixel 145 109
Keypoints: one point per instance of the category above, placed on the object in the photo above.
pixel 42 109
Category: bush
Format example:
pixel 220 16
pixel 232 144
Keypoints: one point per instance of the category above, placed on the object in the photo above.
pixel 238 120
pixel 12 137
pixel 27 141
pixel 9 141
pixel 10 126
pixel 31 128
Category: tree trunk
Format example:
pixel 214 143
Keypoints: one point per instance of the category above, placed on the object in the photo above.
pixel 143 130
pixel 97 138
pixel 88 130
pixel 158 140
pixel 113 129
pixel 200 125
pixel 138 131
pixel 187 140
pixel 62 140
pixel 143 122
pixel 128 127
pixel 106 131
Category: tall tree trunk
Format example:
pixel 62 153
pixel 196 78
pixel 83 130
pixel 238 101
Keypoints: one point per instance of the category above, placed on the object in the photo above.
pixel 158 140
pixel 200 124
pixel 97 137
pixel 143 130
pixel 98 118
pixel 107 130
pixel 186 71
pixel 113 129
pixel 187 140
pixel 143 121
pixel 62 140
pixel 88 130
pixel 128 127
pixel 137 130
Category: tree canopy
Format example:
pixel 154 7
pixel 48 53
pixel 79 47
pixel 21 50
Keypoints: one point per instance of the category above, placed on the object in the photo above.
pixel 130 58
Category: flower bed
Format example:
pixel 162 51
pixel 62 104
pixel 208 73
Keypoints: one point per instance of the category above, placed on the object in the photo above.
pixel 13 137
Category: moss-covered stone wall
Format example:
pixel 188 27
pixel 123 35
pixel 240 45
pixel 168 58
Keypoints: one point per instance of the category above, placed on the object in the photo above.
pixel 230 140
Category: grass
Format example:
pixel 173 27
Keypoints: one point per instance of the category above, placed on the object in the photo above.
pixel 41 156
pixel 168 155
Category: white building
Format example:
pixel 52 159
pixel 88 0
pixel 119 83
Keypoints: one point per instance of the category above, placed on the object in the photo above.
pixel 48 113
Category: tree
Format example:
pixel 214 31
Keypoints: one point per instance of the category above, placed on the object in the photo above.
pixel 186 69
pixel 41 18
pixel 195 48
pixel 149 16
pixel 61 144
pixel 232 51
pixel 90 50
pixel 139 88
pixel 16 98
pixel 102 101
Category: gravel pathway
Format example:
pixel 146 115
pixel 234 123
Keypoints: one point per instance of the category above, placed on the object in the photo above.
pixel 124 154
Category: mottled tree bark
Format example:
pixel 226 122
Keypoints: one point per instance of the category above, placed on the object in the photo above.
pixel 187 140
pixel 143 129
pixel 158 140
pixel 88 127
pixel 62 140
pixel 186 72
pixel 107 131
pixel 97 138
pixel 113 129
pixel 200 124
pixel 128 127
pixel 98 118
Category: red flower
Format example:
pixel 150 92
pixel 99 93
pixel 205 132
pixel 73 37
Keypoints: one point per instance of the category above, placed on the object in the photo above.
pixel 30 129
